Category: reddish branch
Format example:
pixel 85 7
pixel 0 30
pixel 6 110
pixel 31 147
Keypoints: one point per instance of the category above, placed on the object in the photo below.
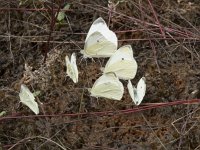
pixel 52 26
pixel 109 113
pixel 157 21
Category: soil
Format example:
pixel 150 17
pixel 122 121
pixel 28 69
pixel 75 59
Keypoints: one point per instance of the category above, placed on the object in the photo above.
pixel 165 39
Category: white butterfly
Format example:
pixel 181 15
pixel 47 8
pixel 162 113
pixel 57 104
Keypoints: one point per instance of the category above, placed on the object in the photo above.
pixel 122 63
pixel 108 86
pixel 72 70
pixel 137 94
pixel 100 40
pixel 28 99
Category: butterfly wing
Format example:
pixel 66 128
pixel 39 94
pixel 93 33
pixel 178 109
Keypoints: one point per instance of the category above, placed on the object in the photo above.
pixel 100 41
pixel 27 98
pixel 74 66
pixel 130 89
pixel 122 63
pixel 108 86
pixel 141 89
pixel 98 46
pixel 99 25
pixel 72 70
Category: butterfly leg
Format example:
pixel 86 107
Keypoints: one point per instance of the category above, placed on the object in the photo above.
pixel 82 58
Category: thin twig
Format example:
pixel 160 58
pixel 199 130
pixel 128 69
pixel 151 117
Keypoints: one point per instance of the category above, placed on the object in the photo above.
pixel 35 137
pixel 151 43
pixel 157 21
pixel 9 39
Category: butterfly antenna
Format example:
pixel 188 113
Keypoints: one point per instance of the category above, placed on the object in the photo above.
pixel 86 62
pixel 93 60
pixel 76 44
pixel 83 58
pixel 98 101
pixel 99 62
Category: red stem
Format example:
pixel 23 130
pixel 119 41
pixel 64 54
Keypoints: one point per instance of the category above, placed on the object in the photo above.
pixel 53 21
pixel 108 113
pixel 157 21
